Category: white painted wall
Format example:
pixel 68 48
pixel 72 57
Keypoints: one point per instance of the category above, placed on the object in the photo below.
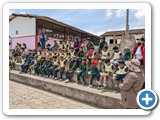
pixel 138 36
pixel 26 26
pixel 108 39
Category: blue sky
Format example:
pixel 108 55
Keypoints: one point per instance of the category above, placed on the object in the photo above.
pixel 92 20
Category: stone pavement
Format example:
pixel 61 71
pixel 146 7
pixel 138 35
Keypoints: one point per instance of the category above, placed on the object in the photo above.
pixel 25 97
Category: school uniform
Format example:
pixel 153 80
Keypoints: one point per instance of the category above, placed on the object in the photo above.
pixel 80 55
pixel 61 69
pixel 47 68
pixel 116 56
pixel 105 55
pixel 94 71
pixel 120 73
pixel 71 69
pixel 83 72
pixel 36 67
pixel 42 64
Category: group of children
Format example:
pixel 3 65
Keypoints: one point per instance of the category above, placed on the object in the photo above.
pixel 63 59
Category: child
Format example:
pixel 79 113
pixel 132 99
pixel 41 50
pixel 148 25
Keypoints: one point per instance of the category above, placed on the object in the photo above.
pixel 64 44
pixel 25 66
pixel 80 55
pixel 32 65
pixel 105 54
pixel 83 71
pixel 55 46
pixel 71 53
pixel 127 54
pixel 37 65
pixel 12 62
pixel 39 49
pixel 120 73
pixel 55 64
pixel 68 44
pixel 91 54
pixel 42 65
pixel 106 73
pixel 94 71
pixel 72 66
pixel 117 56
pixel 48 66
pixel 60 68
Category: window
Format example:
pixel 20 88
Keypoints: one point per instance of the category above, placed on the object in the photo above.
pixel 115 41
pixel 16 32
pixel 111 41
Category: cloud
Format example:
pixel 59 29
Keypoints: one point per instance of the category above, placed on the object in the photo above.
pixel 139 14
pixel 22 12
pixel 120 13
pixel 109 13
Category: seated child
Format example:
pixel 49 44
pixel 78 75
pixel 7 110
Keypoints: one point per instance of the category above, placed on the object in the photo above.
pixel 72 66
pixel 120 73
pixel 83 71
pixel 106 73
pixel 61 68
pixel 12 62
pixel 48 66
pixel 55 64
pixel 117 56
pixel 25 66
pixel 94 71
pixel 80 55
pixel 41 66
pixel 127 54
pixel 37 65
pixel 105 54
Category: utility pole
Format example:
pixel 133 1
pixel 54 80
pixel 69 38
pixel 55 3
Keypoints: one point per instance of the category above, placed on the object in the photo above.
pixel 127 24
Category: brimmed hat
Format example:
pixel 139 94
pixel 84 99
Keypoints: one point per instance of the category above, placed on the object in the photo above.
pixel 133 65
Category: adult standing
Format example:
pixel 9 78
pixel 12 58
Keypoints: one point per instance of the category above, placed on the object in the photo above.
pixel 43 38
pixel 89 44
pixel 77 44
pixel 102 43
pixel 139 51
pixel 131 85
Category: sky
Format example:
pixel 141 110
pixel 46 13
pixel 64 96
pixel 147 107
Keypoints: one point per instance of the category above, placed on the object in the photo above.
pixel 96 21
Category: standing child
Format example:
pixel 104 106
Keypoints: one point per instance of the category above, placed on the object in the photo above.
pixel 83 71
pixel 106 73
pixel 60 68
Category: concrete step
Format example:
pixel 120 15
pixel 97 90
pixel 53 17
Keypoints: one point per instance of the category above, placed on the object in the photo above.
pixel 74 78
pixel 104 99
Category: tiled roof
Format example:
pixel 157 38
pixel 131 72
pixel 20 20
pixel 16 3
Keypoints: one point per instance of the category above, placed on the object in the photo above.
pixel 122 32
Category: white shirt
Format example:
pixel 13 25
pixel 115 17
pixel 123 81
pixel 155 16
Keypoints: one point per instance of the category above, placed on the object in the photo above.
pixel 138 53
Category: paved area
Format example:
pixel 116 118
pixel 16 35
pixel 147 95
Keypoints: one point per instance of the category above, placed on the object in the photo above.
pixel 25 97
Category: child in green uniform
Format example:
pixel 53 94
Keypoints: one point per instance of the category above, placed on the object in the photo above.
pixel 107 72
pixel 72 66
pixel 83 71
pixel 60 68
pixel 120 73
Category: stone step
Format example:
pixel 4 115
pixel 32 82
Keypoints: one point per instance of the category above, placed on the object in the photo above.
pixel 108 99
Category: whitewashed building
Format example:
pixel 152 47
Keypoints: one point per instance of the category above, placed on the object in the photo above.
pixel 115 37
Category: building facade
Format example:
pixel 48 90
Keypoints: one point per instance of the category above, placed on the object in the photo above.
pixel 26 28
pixel 115 37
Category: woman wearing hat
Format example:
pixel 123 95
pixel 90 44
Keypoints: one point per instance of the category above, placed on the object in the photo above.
pixel 132 84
